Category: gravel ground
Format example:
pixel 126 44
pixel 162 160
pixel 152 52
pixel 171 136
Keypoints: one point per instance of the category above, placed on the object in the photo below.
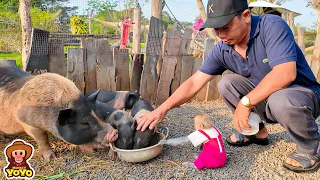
pixel 252 162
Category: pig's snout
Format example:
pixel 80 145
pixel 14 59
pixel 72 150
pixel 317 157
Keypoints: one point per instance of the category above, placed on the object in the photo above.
pixel 107 135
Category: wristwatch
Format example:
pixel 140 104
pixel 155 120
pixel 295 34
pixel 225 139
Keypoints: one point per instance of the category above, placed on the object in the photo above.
pixel 246 102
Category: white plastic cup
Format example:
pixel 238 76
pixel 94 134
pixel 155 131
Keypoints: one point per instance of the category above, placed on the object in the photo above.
pixel 253 121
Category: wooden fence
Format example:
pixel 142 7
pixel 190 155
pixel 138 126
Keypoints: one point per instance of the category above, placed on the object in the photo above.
pixel 155 75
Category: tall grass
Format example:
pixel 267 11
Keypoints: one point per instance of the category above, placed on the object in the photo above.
pixel 12 56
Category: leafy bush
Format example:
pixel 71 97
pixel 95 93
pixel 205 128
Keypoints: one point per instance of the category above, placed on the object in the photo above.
pixel 78 25
pixel 10 28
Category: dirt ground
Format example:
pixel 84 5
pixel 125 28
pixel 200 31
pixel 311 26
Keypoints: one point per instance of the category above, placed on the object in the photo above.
pixel 252 162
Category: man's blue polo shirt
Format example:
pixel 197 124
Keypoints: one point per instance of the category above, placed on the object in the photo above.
pixel 271 43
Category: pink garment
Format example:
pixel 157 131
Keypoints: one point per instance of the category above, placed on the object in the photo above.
pixel 196 27
pixel 125 30
pixel 213 154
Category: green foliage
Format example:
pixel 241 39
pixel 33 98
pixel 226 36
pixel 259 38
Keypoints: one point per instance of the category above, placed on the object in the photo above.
pixel 9 5
pixel 12 56
pixel 167 20
pixel 44 20
pixel 78 25
pixel 101 5
pixel 10 29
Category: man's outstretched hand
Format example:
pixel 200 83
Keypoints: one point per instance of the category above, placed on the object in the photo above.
pixel 151 119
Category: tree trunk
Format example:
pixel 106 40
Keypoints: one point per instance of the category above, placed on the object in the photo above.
pixel 26 27
pixel 156 8
pixel 204 17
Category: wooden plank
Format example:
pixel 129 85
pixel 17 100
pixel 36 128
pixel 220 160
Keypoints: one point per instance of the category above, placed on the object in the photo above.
pixel 149 79
pixel 154 36
pixel 106 78
pixel 210 93
pixel 75 68
pixel 184 50
pixel 212 89
pixel 208 46
pixel 121 62
pixel 172 43
pixel 197 62
pixel 186 68
pixel 104 54
pixel 177 75
pixel 90 64
pixel 38 58
pixel 166 76
pixel 57 63
pixel 118 81
pixel 186 40
pixel 135 73
pixel 200 96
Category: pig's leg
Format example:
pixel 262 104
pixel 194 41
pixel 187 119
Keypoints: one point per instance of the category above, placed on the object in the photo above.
pixel 87 148
pixel 112 154
pixel 2 137
pixel 91 147
pixel 41 137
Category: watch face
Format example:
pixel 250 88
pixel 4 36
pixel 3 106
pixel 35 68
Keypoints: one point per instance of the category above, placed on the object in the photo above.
pixel 245 101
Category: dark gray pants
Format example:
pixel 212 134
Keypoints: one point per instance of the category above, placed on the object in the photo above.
pixel 295 108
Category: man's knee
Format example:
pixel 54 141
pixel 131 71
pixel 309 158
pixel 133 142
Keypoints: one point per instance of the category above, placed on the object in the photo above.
pixel 227 82
pixel 279 105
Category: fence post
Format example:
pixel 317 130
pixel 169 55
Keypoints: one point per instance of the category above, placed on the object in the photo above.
pixel 136 49
pixel 75 68
pixel 301 39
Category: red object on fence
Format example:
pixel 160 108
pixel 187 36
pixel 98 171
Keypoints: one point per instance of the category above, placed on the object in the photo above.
pixel 125 30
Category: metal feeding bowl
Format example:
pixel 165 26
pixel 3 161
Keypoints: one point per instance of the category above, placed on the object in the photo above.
pixel 144 154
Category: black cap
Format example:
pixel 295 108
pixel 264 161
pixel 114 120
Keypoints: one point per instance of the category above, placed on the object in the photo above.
pixel 221 12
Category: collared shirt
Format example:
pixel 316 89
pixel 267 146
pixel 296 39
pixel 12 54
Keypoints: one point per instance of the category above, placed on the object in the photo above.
pixel 271 43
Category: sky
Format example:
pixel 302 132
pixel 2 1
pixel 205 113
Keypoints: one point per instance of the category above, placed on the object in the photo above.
pixel 187 10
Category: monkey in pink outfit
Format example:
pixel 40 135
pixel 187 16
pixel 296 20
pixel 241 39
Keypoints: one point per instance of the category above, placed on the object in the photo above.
pixel 213 154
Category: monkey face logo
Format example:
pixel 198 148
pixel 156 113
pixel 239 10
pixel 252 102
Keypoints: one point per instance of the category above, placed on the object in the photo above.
pixel 17 155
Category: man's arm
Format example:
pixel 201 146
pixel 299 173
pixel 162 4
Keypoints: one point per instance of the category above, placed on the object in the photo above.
pixel 185 92
pixel 278 78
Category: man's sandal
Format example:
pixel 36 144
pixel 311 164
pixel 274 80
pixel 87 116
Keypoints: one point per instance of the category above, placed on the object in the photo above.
pixel 305 162
pixel 253 139
pixel 240 140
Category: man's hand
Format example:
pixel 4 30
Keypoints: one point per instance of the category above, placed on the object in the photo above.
pixel 241 116
pixel 151 119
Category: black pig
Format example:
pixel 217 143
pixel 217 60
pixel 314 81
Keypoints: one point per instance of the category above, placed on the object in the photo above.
pixel 142 139
pixel 119 119
pixel 117 99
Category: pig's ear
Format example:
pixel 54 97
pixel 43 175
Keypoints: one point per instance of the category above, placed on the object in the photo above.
pixel 65 116
pixel 134 125
pixel 132 98
pixel 93 97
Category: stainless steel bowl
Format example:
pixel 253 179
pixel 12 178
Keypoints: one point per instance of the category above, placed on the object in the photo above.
pixel 144 154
